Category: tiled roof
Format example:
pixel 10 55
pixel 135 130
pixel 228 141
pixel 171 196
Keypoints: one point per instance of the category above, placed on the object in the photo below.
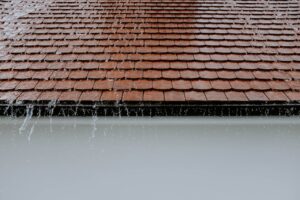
pixel 150 50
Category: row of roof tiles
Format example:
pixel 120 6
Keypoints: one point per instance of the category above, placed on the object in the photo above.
pixel 151 95
pixel 155 50
pixel 150 74
pixel 148 84
pixel 151 57
pixel 160 65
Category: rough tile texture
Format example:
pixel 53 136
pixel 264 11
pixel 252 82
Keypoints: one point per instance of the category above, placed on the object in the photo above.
pixel 150 50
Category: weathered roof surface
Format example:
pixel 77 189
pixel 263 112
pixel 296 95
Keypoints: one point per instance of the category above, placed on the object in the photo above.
pixel 150 50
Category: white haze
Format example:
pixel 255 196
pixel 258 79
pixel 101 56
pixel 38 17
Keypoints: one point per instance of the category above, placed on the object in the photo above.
pixel 150 159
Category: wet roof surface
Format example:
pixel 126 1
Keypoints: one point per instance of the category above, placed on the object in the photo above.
pixel 145 50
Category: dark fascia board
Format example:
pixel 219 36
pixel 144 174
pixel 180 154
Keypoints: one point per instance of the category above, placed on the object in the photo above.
pixel 67 108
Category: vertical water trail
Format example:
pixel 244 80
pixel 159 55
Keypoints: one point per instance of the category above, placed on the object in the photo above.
pixel 105 119
pixel 94 127
pixel 51 107
pixel 31 132
pixel 29 113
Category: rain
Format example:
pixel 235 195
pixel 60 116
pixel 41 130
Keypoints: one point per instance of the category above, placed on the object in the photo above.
pixel 142 99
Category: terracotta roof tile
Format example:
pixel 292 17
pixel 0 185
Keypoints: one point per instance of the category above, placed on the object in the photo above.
pixel 60 75
pixel 196 65
pixel 256 96
pixel 189 74
pixel 178 65
pixel 84 85
pixel 226 75
pixel 244 75
pixel 262 75
pixel 153 74
pixel 96 74
pixel 236 96
pixel 90 96
pixel 26 85
pixel 143 84
pixel 78 74
pixel 8 85
pixel 195 96
pixel 295 85
pixel 29 96
pixel 259 85
pixel 64 85
pixel 123 84
pixel 24 75
pixel 7 75
pixel 201 85
pixel 215 96
pixel 169 51
pixel 152 95
pixel 9 96
pixel 279 85
pixel 276 96
pixel 220 85
pixel 240 85
pixel 42 75
pixel 49 96
pixel 174 96
pixel 111 96
pixel 171 74
pixel 293 96
pixel 69 96
pixel 115 74
pixel 45 85
pixel 160 85
pixel 182 84
pixel 103 84
pixel 132 96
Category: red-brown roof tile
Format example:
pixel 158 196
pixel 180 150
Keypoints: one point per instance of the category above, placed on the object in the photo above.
pixel 69 96
pixel 143 84
pixel 194 96
pixel 49 96
pixel 45 85
pixel 111 96
pixel 84 85
pixel 256 96
pixel 152 95
pixel 215 96
pixel 29 96
pixel 9 96
pixel 174 96
pixel 168 51
pixel 236 96
pixel 90 96
pixel 132 96
pixel 276 96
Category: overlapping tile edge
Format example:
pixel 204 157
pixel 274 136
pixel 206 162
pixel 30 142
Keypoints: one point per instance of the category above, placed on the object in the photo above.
pixel 142 50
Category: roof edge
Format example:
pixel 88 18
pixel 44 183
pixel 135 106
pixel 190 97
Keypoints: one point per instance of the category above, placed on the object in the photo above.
pixel 150 109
